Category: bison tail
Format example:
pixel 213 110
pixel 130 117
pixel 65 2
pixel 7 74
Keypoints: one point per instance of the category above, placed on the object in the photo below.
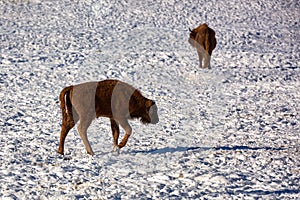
pixel 207 42
pixel 65 102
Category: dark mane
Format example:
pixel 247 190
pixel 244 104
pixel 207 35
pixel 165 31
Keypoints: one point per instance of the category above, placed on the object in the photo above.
pixel 138 97
pixel 139 100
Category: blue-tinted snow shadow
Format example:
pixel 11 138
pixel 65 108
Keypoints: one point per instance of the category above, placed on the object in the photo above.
pixel 264 192
pixel 257 193
pixel 224 148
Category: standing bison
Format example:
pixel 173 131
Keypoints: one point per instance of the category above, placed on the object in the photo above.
pixel 109 98
pixel 204 40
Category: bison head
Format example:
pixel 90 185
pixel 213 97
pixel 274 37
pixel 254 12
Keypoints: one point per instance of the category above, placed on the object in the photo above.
pixel 193 33
pixel 150 113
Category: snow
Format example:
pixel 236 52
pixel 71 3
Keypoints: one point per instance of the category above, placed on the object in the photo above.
pixel 231 132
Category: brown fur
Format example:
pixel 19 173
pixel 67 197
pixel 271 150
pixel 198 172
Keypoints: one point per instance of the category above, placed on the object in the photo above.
pixel 204 40
pixel 109 98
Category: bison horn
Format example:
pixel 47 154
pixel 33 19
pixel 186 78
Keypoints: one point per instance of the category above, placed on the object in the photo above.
pixel 190 30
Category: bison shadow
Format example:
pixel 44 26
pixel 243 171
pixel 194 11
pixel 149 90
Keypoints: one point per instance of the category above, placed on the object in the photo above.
pixel 255 192
pixel 186 149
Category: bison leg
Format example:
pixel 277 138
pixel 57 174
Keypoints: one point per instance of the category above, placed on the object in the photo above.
pixel 115 131
pixel 200 58
pixel 82 129
pixel 207 60
pixel 125 125
pixel 67 125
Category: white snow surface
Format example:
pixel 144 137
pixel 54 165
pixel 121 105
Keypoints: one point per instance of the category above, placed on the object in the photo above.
pixel 231 132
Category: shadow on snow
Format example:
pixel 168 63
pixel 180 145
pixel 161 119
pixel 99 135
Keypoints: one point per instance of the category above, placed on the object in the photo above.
pixel 263 192
pixel 225 148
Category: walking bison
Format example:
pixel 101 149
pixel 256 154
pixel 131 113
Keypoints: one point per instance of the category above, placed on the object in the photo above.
pixel 113 99
pixel 203 39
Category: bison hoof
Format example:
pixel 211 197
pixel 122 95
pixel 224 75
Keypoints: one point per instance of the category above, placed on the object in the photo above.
pixel 61 152
pixel 116 148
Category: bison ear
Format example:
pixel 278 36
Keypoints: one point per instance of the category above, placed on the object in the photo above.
pixel 149 103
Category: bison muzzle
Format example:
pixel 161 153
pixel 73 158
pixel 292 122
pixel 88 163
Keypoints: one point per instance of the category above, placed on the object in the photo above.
pixel 113 99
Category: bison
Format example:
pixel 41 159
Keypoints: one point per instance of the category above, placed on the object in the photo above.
pixel 204 40
pixel 113 99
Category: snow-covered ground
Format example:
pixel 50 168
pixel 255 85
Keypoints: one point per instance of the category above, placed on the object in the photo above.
pixel 231 132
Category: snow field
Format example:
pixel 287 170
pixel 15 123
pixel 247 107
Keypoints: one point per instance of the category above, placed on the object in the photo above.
pixel 231 132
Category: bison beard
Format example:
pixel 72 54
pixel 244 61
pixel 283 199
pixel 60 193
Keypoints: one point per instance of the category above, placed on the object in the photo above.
pixel 203 39
pixel 109 98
